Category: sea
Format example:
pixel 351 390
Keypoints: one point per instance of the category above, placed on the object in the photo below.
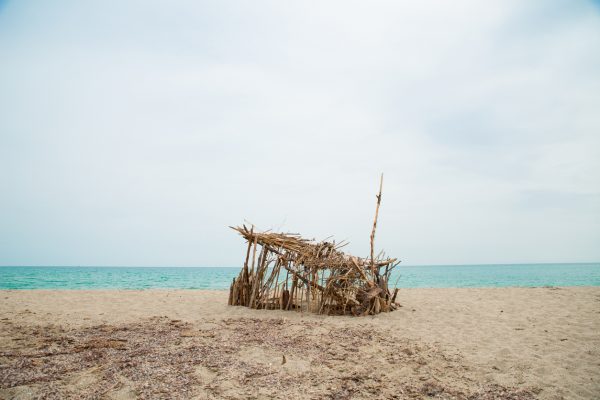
pixel 429 276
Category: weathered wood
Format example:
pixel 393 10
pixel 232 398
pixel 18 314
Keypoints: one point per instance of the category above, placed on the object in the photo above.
pixel 318 276
pixel 375 221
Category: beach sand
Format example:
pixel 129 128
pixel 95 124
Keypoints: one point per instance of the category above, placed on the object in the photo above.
pixel 443 343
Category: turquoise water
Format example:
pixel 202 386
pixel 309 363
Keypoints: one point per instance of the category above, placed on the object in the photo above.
pixel 527 275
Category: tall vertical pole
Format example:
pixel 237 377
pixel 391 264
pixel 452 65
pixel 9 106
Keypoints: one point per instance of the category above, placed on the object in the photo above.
pixel 375 224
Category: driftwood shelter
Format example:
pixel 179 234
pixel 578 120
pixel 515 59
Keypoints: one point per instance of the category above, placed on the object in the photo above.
pixel 293 273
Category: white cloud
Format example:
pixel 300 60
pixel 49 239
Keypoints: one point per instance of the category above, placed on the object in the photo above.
pixel 136 135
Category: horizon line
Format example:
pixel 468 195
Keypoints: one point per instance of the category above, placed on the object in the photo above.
pixel 232 267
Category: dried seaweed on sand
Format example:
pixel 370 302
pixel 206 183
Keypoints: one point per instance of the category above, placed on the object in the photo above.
pixel 234 358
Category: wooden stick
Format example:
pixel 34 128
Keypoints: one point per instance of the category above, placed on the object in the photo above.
pixel 375 221
pixel 292 293
pixel 245 275
pixel 254 252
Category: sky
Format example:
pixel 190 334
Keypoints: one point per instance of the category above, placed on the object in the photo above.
pixel 134 133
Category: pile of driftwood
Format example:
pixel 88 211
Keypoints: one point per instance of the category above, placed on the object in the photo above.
pixel 292 273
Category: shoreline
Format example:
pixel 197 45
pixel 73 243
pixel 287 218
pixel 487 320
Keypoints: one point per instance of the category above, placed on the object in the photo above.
pixel 174 289
pixel 541 342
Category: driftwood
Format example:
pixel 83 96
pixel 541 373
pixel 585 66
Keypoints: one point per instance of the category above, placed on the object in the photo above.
pixel 293 273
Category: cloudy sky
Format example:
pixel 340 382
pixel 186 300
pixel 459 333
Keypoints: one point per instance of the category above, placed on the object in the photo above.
pixel 134 133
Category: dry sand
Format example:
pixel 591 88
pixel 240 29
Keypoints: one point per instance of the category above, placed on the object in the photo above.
pixel 443 343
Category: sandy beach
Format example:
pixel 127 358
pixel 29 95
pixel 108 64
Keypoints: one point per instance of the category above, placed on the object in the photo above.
pixel 513 343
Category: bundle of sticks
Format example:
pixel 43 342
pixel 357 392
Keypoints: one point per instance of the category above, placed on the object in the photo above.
pixel 293 273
